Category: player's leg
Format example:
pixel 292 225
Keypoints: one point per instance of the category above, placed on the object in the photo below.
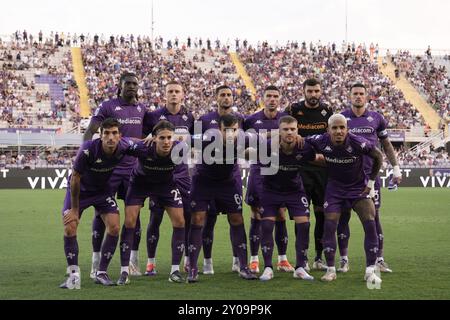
pixel 126 241
pixel 255 238
pixel 195 240
pixel 156 217
pixel 365 209
pixel 267 243
pixel 208 239
pixel 281 239
pixel 329 244
pixel 187 228
pixel 112 223
pixel 178 242
pixel 381 264
pixel 343 234
pixel 98 233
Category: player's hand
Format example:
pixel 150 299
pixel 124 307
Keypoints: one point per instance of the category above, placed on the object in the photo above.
pixel 148 141
pixel 369 192
pixel 71 215
pixel 300 141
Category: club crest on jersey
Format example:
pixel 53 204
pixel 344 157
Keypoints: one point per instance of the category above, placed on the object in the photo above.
pixel 193 204
pixel 117 109
pixel 349 149
pixel 86 152
pixel 324 113
pixel 139 109
pixel 363 145
pixel 370 119
pixel 298 157
pixel 325 205
pixel 184 117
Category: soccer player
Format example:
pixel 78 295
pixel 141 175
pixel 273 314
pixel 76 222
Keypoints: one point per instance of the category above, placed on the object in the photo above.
pixel 285 189
pixel 224 99
pixel 89 186
pixel 130 114
pixel 183 120
pixel 312 116
pixel 217 182
pixel 348 187
pixel 153 177
pixel 372 126
pixel 266 119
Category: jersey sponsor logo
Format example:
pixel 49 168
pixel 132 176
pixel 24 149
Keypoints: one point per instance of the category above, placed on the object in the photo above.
pixel 347 160
pixel 313 126
pixel 362 130
pixel 130 121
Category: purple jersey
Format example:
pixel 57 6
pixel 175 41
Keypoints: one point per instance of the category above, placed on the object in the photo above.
pixel 151 168
pixel 131 120
pixel 344 162
pixel 287 179
pixel 370 125
pixel 95 166
pixel 184 126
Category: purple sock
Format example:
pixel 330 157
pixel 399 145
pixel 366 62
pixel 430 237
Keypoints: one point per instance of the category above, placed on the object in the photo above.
pixel 255 236
pixel 98 232
pixel 177 245
pixel 329 241
pixel 126 242
pixel 281 237
pixel 108 249
pixel 267 241
pixel 370 242
pixel 208 235
pixel 343 234
pixel 187 228
pixel 233 248
pixel 71 250
pixel 153 233
pixel 240 244
pixel 318 233
pixel 380 234
pixel 137 235
pixel 195 245
pixel 302 243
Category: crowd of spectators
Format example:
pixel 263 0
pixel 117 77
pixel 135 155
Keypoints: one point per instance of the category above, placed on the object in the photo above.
pixel 37 158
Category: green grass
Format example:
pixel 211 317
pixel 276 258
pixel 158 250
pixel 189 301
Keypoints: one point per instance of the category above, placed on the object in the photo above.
pixel 416 224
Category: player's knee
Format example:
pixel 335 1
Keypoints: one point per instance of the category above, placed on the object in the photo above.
pixel 70 229
pixel 280 217
pixel 114 230
pixel 302 219
pixel 235 219
pixel 197 220
pixel 178 222
pixel 130 222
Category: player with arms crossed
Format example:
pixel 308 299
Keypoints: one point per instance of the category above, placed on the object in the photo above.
pixel 372 126
pixel 348 187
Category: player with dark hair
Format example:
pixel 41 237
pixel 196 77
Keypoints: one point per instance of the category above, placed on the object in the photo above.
pixel 153 177
pixel 348 186
pixel 312 116
pixel 215 181
pixel 263 122
pixel 89 186
pixel 183 120
pixel 372 126
pixel 127 110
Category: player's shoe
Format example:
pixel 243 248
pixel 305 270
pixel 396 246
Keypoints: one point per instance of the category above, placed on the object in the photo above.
pixel 192 276
pixel 285 266
pixel 307 268
pixel 94 268
pixel 208 268
pixel 73 281
pixel 151 269
pixel 267 274
pixel 135 271
pixel 176 277
pixel 383 266
pixel 343 266
pixel 123 279
pixel 371 276
pixel 319 265
pixel 330 275
pixel 300 273
pixel 235 266
pixel 247 274
pixel 103 279
pixel 254 266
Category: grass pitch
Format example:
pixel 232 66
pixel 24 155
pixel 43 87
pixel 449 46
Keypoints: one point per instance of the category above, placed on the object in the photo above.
pixel 416 225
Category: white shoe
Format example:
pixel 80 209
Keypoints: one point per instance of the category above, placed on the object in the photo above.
pixel 73 281
pixel 344 266
pixel 235 266
pixel 307 268
pixel 208 268
pixel 319 265
pixel 300 273
pixel 330 275
pixel 134 269
pixel 383 266
pixel 94 268
pixel 267 274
